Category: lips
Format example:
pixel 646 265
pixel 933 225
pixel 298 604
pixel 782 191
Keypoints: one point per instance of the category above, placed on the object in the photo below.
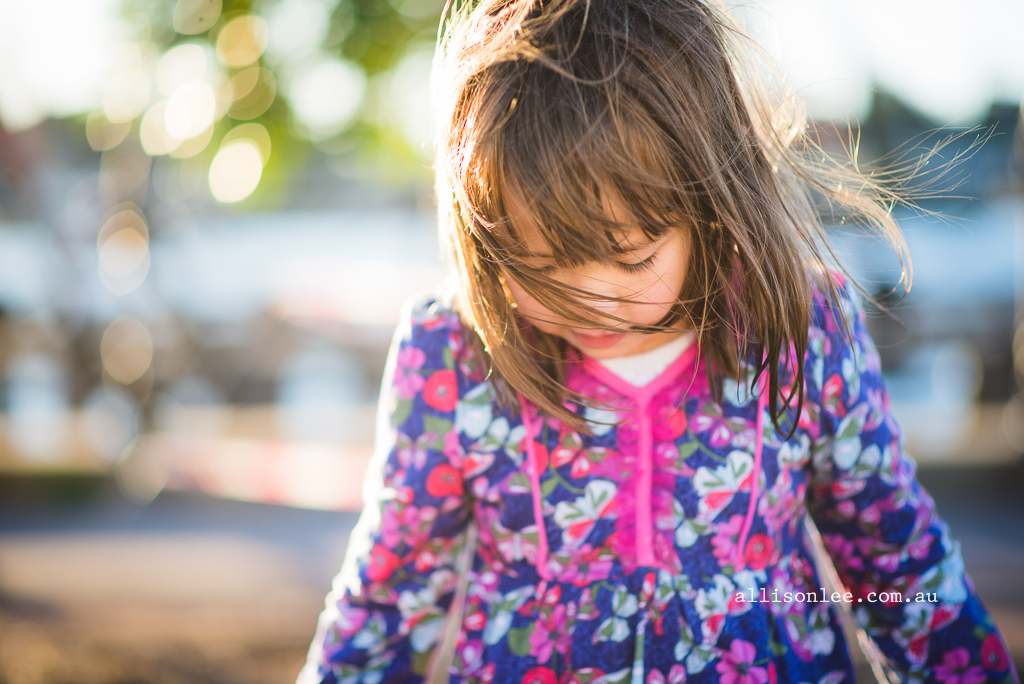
pixel 599 340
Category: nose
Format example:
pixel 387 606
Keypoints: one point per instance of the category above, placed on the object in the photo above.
pixel 599 282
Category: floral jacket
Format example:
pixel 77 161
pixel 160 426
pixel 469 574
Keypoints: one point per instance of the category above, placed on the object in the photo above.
pixel 666 546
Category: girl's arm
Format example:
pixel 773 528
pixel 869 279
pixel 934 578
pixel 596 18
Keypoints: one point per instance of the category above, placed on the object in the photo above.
pixel 880 526
pixel 386 611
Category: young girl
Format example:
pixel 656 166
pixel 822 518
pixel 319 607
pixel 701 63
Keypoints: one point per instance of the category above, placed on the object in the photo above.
pixel 645 384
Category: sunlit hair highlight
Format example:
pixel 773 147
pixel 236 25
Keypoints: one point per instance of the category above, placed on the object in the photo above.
pixel 558 109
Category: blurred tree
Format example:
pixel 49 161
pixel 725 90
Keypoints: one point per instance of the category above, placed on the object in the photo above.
pixel 273 80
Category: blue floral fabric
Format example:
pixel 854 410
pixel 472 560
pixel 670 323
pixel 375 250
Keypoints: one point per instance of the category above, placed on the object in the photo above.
pixel 674 554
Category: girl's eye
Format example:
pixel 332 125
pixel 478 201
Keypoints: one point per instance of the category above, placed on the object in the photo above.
pixel 638 267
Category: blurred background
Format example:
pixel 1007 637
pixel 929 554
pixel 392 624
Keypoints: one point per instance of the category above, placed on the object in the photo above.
pixel 211 212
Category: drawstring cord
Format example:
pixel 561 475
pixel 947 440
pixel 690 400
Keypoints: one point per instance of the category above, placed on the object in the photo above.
pixel 533 472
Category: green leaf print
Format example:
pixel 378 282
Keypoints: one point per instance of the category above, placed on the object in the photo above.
pixel 436 426
pixel 519 640
pixel 403 407
pixel 686 450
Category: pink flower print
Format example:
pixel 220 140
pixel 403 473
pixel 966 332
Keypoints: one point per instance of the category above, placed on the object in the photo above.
pixel 919 548
pixel 408 380
pixel 725 539
pixel 557 636
pixel 782 504
pixel 737 665
pixel 843 552
pixel 413 454
pixel 655 677
pixel 350 620
pixel 484 584
pixel 469 657
pixel 845 510
pixel 587 565
pixel 677 675
pixel 541 643
pixel 405 523
pixel 870 516
pixel 956 669
pixel 710 420
pixel 453 450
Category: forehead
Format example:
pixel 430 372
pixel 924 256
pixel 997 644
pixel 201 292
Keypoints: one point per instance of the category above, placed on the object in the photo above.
pixel 619 232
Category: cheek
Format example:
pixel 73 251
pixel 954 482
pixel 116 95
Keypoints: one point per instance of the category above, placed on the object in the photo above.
pixel 531 309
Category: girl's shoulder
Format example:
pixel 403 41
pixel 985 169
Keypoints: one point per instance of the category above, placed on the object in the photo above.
pixel 836 311
pixel 837 324
pixel 432 337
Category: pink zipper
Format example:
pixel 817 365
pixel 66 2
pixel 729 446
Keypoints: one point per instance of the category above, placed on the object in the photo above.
pixel 533 472
pixel 644 512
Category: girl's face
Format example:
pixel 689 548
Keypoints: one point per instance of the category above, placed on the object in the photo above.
pixel 648 274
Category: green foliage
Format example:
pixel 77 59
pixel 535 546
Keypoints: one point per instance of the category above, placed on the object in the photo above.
pixel 373 34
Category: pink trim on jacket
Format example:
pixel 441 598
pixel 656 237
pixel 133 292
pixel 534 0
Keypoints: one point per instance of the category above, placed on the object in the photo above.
pixel 762 405
pixel 641 397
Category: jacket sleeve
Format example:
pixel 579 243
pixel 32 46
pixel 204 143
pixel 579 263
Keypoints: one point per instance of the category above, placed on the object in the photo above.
pixel 387 608
pixel 880 526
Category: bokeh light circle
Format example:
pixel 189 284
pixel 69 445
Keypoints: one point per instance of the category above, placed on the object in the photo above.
pixel 236 171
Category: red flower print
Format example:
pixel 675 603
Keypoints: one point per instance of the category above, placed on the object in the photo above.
pixel 993 654
pixel 444 481
pixel 540 450
pixel 759 551
pixel 737 665
pixel 440 392
pixel 955 669
pixel 540 675
pixel 382 563
pixel 671 422
pixel 562 455
pixel 581 466
pixel 475 621
pixel 831 395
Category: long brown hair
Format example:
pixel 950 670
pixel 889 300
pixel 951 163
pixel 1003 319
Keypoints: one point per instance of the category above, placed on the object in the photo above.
pixel 556 107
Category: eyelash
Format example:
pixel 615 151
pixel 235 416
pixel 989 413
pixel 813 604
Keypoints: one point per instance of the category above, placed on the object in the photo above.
pixel 638 267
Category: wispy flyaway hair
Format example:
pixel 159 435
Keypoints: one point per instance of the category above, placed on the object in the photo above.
pixel 553 109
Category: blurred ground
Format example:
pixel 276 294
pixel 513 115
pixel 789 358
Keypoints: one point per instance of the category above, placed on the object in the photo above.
pixel 95 589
